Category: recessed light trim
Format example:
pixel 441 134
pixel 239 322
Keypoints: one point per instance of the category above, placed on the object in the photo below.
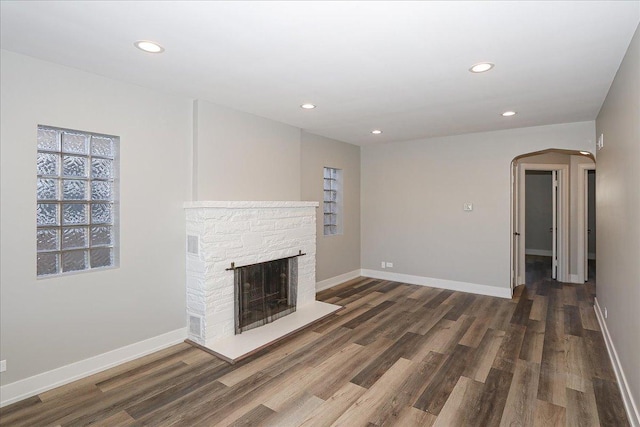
pixel 509 113
pixel 149 46
pixel 308 106
pixel 481 67
pixel 376 131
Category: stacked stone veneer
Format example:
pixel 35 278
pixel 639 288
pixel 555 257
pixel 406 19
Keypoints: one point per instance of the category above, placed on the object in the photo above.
pixel 219 233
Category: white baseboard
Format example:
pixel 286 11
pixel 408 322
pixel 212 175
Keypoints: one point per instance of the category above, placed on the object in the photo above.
pixel 574 278
pixel 453 285
pixel 336 280
pixel 539 252
pixel 36 384
pixel 625 390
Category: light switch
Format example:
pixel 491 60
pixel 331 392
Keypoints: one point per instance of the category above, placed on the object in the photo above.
pixel 468 207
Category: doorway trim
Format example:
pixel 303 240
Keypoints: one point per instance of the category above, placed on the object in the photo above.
pixel 562 219
pixel 583 210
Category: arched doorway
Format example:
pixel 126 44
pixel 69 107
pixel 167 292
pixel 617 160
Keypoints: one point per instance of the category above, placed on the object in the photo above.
pixel 562 174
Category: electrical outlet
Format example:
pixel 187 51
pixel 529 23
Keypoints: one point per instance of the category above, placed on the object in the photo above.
pixel 389 265
pixel 3 365
pixel 382 264
pixel 605 313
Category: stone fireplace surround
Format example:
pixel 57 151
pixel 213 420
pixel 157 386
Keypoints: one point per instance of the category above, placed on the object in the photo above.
pixel 246 232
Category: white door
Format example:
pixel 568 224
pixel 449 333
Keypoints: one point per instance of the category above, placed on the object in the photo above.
pixel 515 238
pixel 589 218
pixel 554 226
pixel 586 225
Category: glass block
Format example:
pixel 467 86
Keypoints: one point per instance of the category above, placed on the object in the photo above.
pixel 48 164
pixel 101 168
pixel 101 213
pixel 330 173
pixel 101 257
pixel 74 189
pixel 329 218
pixel 74 237
pixel 48 139
pixel 101 235
pixel 47 214
pixel 101 190
pixel 47 189
pixel 74 166
pixel 330 207
pixel 102 146
pixel 74 213
pixel 329 196
pixel 47 264
pixel 330 184
pixel 330 229
pixel 74 260
pixel 48 239
pixel 74 143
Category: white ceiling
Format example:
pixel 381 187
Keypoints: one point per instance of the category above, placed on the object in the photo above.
pixel 398 66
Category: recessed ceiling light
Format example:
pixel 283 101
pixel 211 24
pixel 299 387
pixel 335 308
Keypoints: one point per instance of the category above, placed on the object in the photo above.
pixel 509 113
pixel 308 106
pixel 481 67
pixel 376 131
pixel 586 153
pixel 149 46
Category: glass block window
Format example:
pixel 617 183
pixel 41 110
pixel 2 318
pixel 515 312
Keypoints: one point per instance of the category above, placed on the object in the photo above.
pixel 75 216
pixel 332 205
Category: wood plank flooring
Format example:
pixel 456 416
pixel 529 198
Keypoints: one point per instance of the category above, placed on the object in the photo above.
pixel 397 354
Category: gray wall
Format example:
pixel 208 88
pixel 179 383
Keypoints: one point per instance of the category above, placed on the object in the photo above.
pixel 52 322
pixel 413 194
pixel 552 157
pixel 239 156
pixel 618 213
pixel 337 254
pixel 538 211
pixel 576 174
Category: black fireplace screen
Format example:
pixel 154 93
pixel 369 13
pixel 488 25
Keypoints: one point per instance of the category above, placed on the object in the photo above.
pixel 265 292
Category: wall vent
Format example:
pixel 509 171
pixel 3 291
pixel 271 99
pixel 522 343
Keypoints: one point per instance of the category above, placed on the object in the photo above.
pixel 195 326
pixel 192 245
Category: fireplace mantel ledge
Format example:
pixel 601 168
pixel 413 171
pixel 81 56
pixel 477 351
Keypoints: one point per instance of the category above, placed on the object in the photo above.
pixel 249 204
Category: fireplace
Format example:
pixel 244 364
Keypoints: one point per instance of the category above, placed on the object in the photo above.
pixel 231 246
pixel 264 292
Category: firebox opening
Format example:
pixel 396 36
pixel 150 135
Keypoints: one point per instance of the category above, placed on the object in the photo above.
pixel 264 292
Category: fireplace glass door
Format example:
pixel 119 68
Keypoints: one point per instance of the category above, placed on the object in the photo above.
pixel 264 292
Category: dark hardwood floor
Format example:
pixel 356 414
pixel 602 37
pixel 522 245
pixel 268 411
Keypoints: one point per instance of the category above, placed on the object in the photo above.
pixel 397 354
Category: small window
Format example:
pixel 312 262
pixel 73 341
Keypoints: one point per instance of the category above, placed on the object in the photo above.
pixel 76 210
pixel 332 201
